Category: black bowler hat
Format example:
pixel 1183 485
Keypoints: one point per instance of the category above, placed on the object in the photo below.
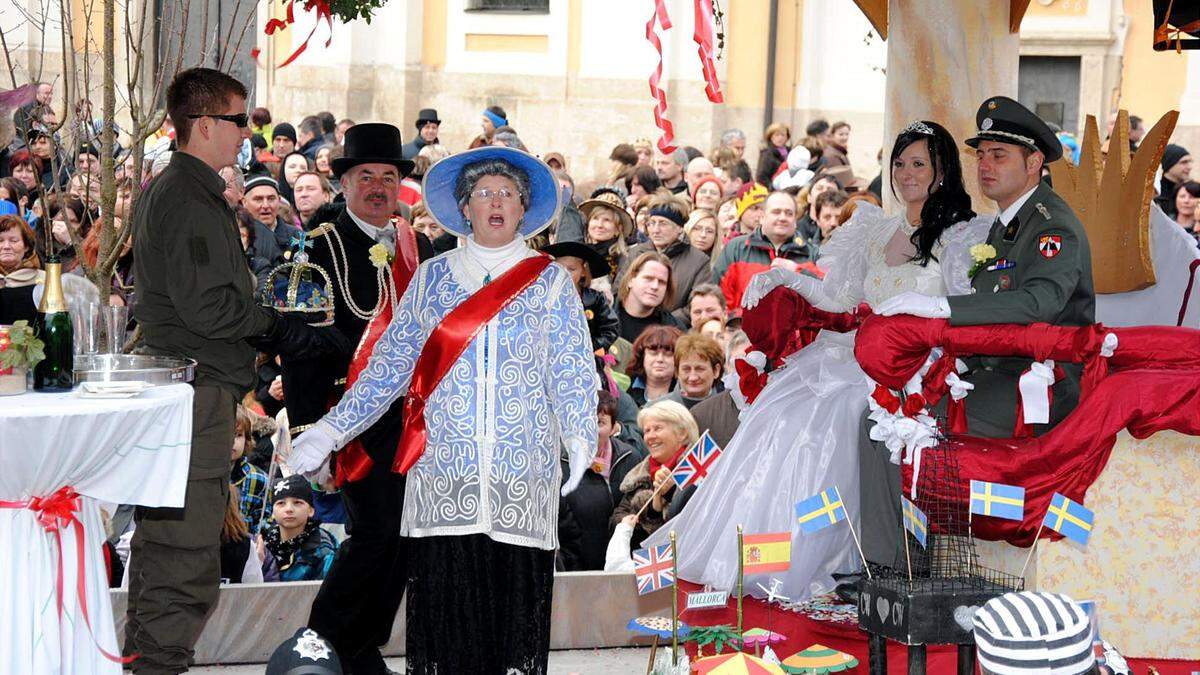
pixel 372 143
pixel 596 263
pixel 1003 120
pixel 425 116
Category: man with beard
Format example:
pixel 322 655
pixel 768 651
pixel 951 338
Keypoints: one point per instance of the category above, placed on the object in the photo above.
pixel 359 597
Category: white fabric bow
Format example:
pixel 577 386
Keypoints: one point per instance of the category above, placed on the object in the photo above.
pixel 1109 346
pixel 1035 391
pixel 959 388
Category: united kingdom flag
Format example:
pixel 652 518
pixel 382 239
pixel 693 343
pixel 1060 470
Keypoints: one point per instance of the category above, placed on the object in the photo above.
pixel 696 462
pixel 653 567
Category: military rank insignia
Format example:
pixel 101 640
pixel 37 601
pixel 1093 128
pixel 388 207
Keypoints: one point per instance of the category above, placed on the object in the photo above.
pixel 1049 245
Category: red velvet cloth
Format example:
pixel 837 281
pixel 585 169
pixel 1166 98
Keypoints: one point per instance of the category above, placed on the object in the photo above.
pixel 1151 383
pixel 783 322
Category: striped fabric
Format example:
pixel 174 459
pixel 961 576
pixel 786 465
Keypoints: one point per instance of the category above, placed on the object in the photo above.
pixel 1031 632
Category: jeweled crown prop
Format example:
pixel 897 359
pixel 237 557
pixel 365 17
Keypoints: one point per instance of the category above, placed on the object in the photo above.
pixel 300 287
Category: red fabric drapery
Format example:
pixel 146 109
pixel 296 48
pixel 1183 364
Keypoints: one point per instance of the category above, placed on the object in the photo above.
pixel 1150 383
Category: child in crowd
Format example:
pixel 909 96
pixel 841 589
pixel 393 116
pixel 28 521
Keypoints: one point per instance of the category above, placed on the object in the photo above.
pixel 589 507
pixel 302 550
pixel 243 560
pixel 585 264
pixel 249 480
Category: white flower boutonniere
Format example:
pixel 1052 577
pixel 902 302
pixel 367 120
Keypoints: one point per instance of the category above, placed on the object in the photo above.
pixel 982 254
pixel 380 257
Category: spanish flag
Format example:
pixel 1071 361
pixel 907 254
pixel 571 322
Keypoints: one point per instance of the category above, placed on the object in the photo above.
pixel 769 552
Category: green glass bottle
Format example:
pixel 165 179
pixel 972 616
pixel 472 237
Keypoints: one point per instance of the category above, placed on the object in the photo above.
pixel 53 327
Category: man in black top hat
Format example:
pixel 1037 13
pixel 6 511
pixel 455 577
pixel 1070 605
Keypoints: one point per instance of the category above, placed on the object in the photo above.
pixel 1041 273
pixel 359 597
pixel 427 133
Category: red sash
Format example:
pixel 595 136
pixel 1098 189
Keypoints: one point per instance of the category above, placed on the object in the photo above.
pixel 446 344
pixel 353 462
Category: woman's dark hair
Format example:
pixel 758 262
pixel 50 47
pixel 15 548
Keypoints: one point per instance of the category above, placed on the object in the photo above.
pixel 655 336
pixel 86 216
pixel 948 201
pixel 246 221
pixel 645 177
pixel 1191 186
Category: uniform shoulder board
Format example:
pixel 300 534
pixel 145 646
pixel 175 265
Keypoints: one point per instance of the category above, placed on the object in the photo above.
pixel 1042 210
pixel 319 230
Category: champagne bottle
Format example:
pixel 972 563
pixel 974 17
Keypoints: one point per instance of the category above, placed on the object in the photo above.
pixel 53 327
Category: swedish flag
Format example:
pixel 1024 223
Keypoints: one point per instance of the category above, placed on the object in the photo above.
pixel 915 521
pixel 820 511
pixel 997 500
pixel 1070 519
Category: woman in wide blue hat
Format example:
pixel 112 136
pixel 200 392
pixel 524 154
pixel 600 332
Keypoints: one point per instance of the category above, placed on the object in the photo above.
pixel 491 349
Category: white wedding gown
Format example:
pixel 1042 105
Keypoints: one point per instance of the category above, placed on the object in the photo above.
pixel 801 434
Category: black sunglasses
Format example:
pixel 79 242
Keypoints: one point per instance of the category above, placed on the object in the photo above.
pixel 241 119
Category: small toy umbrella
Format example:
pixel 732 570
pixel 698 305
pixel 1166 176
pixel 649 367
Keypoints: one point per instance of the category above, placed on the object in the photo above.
pixel 759 637
pixel 657 627
pixel 735 663
pixel 818 659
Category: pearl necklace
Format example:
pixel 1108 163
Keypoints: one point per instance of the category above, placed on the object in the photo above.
pixel 384 281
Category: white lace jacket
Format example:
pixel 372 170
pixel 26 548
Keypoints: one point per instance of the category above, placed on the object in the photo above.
pixel 855 271
pixel 497 422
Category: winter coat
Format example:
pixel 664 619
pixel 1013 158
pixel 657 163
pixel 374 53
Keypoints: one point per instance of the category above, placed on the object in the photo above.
pixel 637 487
pixel 690 267
pixel 769 161
pixel 591 506
pixel 601 319
pixel 570 224
pixel 747 255
pixel 306 560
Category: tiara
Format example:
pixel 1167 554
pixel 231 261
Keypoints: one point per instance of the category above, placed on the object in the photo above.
pixel 918 127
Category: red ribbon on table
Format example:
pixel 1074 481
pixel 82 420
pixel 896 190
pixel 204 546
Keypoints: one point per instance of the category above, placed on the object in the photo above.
pixel 274 25
pixel 55 514
pixel 666 142
pixel 353 463
pixel 703 36
pixel 447 343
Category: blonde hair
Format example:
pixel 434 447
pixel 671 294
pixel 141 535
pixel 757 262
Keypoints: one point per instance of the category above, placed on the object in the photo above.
pixel 674 414
pixel 694 219
pixel 664 198
pixel 243 425
pixel 773 129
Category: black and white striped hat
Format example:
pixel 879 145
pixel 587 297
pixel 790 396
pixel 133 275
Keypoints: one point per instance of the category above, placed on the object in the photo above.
pixel 1030 632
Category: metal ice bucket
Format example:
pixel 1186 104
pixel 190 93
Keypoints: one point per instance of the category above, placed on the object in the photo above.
pixel 133 368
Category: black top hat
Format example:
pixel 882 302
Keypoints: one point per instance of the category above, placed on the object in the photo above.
pixel 427 115
pixel 372 143
pixel 596 263
pixel 1003 120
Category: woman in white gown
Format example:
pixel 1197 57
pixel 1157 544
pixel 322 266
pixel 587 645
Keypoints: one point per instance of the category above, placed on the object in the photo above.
pixel 800 436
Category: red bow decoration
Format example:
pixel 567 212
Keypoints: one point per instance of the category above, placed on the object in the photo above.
pixel 886 399
pixel 56 513
pixel 666 142
pixel 274 25
pixel 750 379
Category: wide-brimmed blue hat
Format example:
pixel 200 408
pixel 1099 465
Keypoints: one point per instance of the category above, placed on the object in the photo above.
pixel 545 199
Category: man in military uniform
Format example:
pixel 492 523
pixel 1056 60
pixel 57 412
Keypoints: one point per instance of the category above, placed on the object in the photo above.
pixel 1042 273
pixel 359 597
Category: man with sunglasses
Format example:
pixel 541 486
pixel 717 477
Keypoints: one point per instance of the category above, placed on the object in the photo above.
pixel 195 300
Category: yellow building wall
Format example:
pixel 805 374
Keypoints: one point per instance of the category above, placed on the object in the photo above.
pixel 433 34
pixel 748 30
pixel 1151 82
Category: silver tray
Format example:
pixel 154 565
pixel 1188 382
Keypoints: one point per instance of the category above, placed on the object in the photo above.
pixel 133 368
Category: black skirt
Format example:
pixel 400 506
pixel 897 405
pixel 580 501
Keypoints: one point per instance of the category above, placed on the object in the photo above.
pixel 477 607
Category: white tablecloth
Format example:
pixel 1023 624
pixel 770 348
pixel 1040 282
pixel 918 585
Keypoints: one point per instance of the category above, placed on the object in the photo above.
pixel 125 451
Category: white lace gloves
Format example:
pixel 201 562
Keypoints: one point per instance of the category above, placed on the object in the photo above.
pixel 764 282
pixel 579 458
pixel 915 304
pixel 311 453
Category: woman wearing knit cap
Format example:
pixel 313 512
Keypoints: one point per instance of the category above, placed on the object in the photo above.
pixel 490 346
pixel 668 213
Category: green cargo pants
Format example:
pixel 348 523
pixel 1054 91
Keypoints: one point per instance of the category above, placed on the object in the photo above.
pixel 174 560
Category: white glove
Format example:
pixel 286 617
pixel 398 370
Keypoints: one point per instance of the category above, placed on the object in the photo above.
pixel 924 306
pixel 579 458
pixel 764 282
pixel 311 450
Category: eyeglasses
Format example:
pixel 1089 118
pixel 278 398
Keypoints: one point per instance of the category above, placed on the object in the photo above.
pixel 242 120
pixel 487 195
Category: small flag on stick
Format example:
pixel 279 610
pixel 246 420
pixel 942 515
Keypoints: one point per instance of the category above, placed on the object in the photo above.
pixel 693 468
pixel 820 511
pixel 1070 519
pixel 653 568
pixel 997 500
pixel 764 553
pixel 915 521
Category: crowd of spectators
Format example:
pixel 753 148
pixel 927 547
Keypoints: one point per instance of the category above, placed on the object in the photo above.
pixel 661 246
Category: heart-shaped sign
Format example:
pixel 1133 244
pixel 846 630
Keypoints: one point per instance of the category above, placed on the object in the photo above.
pixel 964 616
pixel 883 606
